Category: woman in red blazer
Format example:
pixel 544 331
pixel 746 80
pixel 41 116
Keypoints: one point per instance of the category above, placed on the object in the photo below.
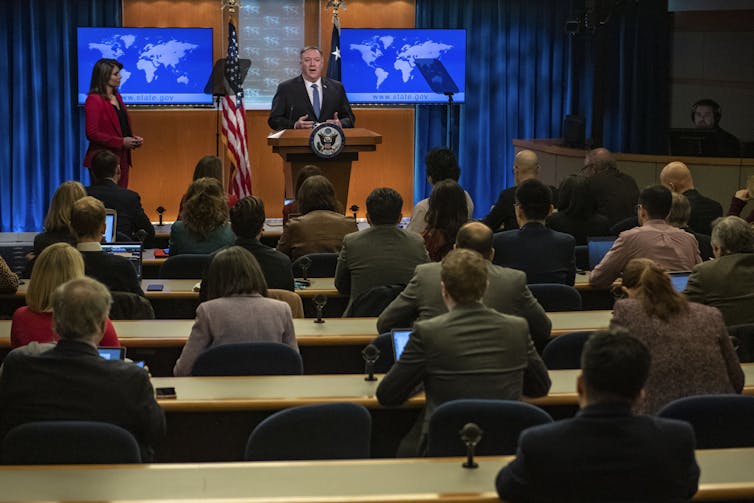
pixel 107 123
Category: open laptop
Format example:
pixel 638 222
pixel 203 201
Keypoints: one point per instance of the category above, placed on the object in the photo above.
pixel 597 248
pixel 112 353
pixel 400 338
pixel 111 226
pixel 131 251
pixel 679 280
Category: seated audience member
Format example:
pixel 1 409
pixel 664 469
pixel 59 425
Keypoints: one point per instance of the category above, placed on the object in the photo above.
pixel 727 282
pixel 209 166
pixel 679 218
pixel 321 226
pixel 470 352
pixel 441 164
pixel 546 256
pixel 691 351
pixel 72 382
pixel 88 225
pixel 577 211
pixel 126 202
pixel 247 221
pixel 739 201
pixel 706 114
pixel 57 264
pixel 291 209
pixel 447 213
pixel 605 453
pixel 8 278
pixel 502 216
pixel 57 222
pixel 677 177
pixel 506 292
pixel 615 192
pixel 204 226
pixel 237 309
pixel 381 255
pixel 655 239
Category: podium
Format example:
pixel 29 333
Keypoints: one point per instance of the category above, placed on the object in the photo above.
pixel 293 146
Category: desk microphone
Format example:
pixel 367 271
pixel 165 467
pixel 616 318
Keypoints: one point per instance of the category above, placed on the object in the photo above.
pixel 471 434
pixel 319 302
pixel 370 354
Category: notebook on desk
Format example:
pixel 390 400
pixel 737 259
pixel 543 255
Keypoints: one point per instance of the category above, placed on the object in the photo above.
pixel 597 248
pixel 131 251
pixel 400 338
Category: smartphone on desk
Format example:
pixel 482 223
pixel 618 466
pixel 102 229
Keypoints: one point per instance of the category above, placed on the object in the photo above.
pixel 165 393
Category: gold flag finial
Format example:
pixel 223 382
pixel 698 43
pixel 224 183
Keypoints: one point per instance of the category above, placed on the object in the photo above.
pixel 231 5
pixel 336 6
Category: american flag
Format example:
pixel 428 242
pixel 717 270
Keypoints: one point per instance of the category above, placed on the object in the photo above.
pixel 234 121
pixel 333 64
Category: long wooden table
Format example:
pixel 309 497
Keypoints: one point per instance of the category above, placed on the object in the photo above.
pixel 725 474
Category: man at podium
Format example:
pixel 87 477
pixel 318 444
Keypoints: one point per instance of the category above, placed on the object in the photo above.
pixel 308 99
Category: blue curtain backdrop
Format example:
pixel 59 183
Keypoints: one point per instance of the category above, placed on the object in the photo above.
pixel 42 138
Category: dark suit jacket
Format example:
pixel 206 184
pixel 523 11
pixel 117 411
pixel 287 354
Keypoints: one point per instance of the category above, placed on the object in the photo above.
pixel 503 213
pixel 580 229
pixel 126 203
pixel 276 266
pixel 616 194
pixel 726 283
pixel 603 454
pixel 507 293
pixel 291 101
pixel 544 255
pixel 103 130
pixel 703 211
pixel 116 273
pixel 72 382
pixel 469 352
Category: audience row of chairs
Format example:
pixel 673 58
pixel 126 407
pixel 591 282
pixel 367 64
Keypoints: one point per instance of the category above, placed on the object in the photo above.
pixel 343 431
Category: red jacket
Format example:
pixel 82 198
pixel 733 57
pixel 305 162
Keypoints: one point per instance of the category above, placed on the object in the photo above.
pixel 103 130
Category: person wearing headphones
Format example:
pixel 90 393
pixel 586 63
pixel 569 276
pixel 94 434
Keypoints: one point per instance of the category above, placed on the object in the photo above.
pixel 706 114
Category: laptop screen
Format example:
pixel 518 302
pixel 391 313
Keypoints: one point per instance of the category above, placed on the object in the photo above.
pixel 598 248
pixel 131 251
pixel 111 224
pixel 400 339
pixel 679 280
pixel 112 353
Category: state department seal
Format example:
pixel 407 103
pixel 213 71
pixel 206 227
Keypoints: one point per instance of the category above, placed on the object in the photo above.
pixel 327 140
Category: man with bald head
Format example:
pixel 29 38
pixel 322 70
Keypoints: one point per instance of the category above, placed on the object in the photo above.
pixel 502 216
pixel 615 192
pixel 677 177
pixel 507 291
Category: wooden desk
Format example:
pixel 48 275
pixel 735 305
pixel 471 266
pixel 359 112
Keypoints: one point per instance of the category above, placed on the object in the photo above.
pixel 725 474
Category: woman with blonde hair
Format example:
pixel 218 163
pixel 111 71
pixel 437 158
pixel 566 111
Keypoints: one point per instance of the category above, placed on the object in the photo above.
pixel 204 226
pixel 57 264
pixel 691 351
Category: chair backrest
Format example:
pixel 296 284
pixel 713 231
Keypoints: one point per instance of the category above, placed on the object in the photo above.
pixel 719 421
pixel 372 302
pixel 322 265
pixel 556 297
pixel 188 266
pixel 744 341
pixel 249 359
pixel 564 351
pixel 581 252
pixel 501 421
pixel 291 298
pixel 69 442
pixel 130 306
pixel 323 431
pixel 384 342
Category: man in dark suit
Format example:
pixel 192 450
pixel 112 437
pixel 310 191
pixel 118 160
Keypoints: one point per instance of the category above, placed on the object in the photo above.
pixel 303 101
pixel 384 254
pixel 506 292
pixel 727 282
pixel 87 226
pixel 546 256
pixel 72 382
pixel 677 177
pixel 127 203
pixel 472 351
pixel 615 192
pixel 247 221
pixel 605 453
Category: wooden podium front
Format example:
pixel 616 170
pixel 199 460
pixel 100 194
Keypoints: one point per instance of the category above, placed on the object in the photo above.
pixel 293 146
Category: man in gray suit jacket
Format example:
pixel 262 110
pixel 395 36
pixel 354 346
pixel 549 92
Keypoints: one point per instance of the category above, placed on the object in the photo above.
pixel 507 291
pixel 471 351
pixel 727 282
pixel 381 255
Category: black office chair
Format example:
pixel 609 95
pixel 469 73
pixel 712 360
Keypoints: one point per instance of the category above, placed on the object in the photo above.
pixel 130 306
pixel 323 431
pixel 556 297
pixel 743 341
pixel 384 342
pixel 564 351
pixel 69 443
pixel 501 421
pixel 372 302
pixel 322 265
pixel 719 421
pixel 188 266
pixel 249 359
pixel 581 252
